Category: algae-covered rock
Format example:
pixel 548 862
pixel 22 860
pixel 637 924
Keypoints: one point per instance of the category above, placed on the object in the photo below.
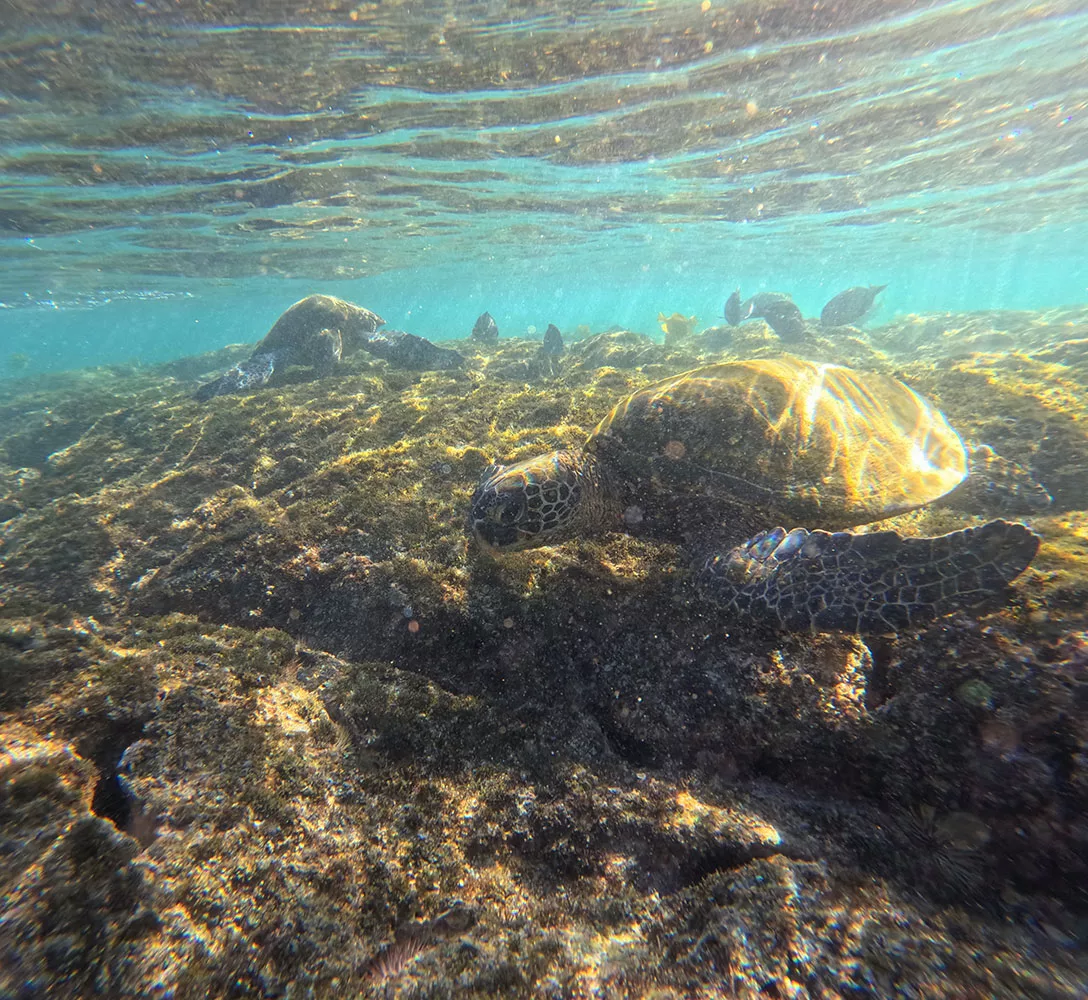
pixel 271 727
pixel 622 349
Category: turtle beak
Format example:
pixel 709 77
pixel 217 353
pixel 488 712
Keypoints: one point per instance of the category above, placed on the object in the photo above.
pixel 490 522
pixel 493 532
pixel 484 546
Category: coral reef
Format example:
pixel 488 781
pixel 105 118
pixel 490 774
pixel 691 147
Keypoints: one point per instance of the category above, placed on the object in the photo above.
pixel 269 727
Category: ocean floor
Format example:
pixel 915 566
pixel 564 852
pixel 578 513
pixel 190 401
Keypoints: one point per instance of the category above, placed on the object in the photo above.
pixel 269 726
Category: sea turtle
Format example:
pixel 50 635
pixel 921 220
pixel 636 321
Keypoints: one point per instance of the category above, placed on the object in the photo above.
pixel 777 308
pixel 709 456
pixel 850 306
pixel 315 332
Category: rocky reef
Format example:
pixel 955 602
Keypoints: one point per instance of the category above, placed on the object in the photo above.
pixel 269 727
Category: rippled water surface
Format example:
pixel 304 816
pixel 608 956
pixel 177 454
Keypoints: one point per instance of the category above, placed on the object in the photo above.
pixel 575 162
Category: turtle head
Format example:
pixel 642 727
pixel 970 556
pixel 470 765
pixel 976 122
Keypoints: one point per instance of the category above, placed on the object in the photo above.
pixel 997 486
pixel 535 502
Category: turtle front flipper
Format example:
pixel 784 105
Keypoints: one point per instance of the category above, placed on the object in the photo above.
pixel 248 374
pixel 869 583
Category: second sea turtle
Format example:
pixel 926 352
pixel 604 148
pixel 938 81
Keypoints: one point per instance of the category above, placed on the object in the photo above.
pixel 315 333
pixel 716 457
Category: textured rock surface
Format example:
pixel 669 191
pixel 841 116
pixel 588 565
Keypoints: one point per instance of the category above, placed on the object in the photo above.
pixel 269 728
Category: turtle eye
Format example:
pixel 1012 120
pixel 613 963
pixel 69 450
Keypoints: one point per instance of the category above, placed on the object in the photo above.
pixel 507 510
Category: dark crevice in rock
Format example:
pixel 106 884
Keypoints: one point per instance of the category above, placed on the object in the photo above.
pixel 721 858
pixel 111 799
pixel 668 875
pixel 637 753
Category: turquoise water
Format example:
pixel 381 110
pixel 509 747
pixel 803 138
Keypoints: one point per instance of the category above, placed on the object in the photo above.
pixel 172 176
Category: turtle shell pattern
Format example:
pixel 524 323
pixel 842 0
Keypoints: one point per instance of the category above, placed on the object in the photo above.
pixel 752 444
pixel 302 326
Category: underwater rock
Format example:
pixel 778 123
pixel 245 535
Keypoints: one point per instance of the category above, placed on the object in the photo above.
pixel 521 370
pixel 850 306
pixel 78 909
pixel 41 433
pixel 361 724
pixel 486 330
pixel 932 336
pixel 619 349
pixel 714 338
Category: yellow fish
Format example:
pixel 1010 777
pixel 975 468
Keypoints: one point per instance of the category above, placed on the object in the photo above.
pixel 676 327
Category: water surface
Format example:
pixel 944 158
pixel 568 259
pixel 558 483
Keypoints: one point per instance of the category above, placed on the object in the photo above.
pixel 177 173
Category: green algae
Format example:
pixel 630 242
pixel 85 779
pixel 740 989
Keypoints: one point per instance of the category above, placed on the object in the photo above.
pixel 630 796
pixel 976 693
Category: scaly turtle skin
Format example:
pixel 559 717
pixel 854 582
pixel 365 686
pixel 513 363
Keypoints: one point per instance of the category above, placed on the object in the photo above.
pixel 316 332
pixel 712 455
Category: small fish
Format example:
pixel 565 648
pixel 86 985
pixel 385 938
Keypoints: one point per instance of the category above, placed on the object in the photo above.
pixel 850 306
pixel 553 341
pixel 676 327
pixel 732 308
pixel 486 330
pixel 780 312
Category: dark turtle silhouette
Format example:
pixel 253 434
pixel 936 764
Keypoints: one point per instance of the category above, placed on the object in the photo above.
pixel 712 455
pixel 777 308
pixel 850 306
pixel 486 330
pixel 316 332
